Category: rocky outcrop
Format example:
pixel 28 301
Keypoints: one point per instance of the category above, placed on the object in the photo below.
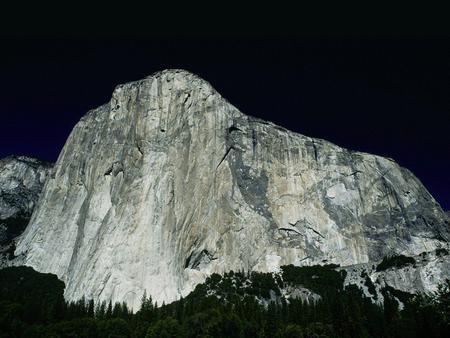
pixel 297 292
pixel 21 182
pixel 168 183
pixel 423 275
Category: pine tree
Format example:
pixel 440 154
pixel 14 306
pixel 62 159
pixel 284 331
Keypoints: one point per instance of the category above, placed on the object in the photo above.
pixel 109 310
pixel 100 310
pixel 91 309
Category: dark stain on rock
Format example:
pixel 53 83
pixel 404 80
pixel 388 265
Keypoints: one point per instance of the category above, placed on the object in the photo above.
pixel 251 183
pixel 198 259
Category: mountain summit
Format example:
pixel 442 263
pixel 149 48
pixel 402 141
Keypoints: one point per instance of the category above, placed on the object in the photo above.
pixel 168 183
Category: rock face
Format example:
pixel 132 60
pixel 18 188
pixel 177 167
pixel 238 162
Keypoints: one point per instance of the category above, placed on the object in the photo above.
pixel 168 182
pixel 429 270
pixel 21 182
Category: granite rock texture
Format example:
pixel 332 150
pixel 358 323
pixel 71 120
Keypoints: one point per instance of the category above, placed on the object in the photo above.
pixel 424 276
pixel 21 181
pixel 168 182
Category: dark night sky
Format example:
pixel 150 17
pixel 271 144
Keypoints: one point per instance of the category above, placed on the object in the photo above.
pixel 387 96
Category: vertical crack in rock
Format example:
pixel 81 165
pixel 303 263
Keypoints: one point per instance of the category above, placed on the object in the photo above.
pixel 225 156
pixel 187 96
pixel 315 150
pixel 254 141
pixel 138 147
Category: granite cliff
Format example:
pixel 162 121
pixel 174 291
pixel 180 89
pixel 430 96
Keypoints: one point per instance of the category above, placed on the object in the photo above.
pixel 168 183
pixel 21 181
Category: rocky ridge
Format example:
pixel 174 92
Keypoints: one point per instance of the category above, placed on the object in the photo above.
pixel 168 183
pixel 21 181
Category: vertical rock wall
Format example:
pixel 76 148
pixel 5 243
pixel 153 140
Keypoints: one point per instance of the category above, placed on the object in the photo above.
pixel 168 182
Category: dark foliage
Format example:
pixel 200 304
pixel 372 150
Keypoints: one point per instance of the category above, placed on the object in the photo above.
pixel 233 305
pixel 441 252
pixel 36 297
pixel 14 226
pixel 320 279
pixel 398 261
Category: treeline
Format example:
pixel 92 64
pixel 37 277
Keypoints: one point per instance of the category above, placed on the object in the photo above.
pixel 232 305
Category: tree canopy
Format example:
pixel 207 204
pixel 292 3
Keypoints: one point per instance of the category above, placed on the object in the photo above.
pixel 236 304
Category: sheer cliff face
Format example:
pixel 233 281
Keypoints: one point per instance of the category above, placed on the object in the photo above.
pixel 169 182
pixel 21 182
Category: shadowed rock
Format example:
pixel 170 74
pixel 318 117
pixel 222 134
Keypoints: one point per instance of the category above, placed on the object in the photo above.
pixel 21 181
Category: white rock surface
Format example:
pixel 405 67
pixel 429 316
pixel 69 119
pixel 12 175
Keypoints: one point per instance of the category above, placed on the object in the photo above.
pixel 168 182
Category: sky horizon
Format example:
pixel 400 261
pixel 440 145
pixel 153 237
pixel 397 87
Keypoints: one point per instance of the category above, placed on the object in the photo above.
pixel 383 96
